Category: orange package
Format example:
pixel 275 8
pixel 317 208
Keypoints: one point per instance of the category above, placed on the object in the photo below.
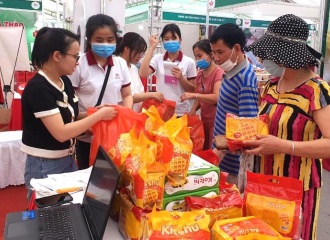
pixel 144 177
pixel 223 206
pixel 224 186
pixel 176 165
pixel 174 145
pixel 166 108
pixel 275 200
pixel 177 225
pixel 131 218
pixel 244 228
pixel 239 129
pixel 119 152
pixel 106 133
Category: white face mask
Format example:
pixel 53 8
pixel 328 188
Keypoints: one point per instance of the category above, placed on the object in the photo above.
pixel 273 68
pixel 228 65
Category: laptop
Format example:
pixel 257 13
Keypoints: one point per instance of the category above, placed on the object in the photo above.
pixel 87 220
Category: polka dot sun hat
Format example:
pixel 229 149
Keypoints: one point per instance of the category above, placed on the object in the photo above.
pixel 285 43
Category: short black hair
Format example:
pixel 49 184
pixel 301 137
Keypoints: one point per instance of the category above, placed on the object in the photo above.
pixel 173 28
pixel 230 34
pixel 49 40
pixel 203 45
pixel 99 21
pixel 133 41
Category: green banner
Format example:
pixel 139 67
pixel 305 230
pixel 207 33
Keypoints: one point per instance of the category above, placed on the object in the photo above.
pixel 181 17
pixel 198 19
pixel 21 4
pixel 223 20
pixel 224 3
pixel 136 18
pixel 19 18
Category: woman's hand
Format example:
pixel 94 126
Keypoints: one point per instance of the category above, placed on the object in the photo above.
pixel 188 95
pixel 177 72
pixel 265 145
pixel 103 105
pixel 107 113
pixel 153 40
pixel 157 96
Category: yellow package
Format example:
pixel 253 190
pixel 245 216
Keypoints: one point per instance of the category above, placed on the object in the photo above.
pixel 177 225
pixel 144 177
pixel 122 148
pixel 177 150
pixel 131 223
pixel 244 128
pixel 244 228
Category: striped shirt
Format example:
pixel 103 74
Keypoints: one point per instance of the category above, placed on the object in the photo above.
pixel 290 117
pixel 239 96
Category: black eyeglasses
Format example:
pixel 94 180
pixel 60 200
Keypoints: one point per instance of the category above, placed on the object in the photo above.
pixel 73 55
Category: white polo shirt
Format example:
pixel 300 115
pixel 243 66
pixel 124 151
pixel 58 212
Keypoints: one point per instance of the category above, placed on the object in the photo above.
pixel 136 85
pixel 89 77
pixel 88 81
pixel 172 90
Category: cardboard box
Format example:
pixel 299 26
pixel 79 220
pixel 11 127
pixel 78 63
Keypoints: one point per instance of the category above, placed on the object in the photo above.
pixel 177 203
pixel 201 175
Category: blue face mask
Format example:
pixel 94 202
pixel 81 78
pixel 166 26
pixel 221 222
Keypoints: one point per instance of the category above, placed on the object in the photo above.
pixel 103 50
pixel 171 46
pixel 203 64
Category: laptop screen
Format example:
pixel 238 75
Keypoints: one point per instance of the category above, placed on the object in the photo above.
pixel 100 191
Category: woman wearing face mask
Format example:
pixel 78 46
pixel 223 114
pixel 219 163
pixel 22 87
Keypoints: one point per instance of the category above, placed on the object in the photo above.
pixel 89 77
pixel 207 88
pixel 183 71
pixel 238 93
pixel 298 105
pixel 131 48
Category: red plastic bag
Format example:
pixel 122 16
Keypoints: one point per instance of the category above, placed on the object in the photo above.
pixel 166 108
pixel 106 133
pixel 196 132
pixel 209 156
pixel 276 200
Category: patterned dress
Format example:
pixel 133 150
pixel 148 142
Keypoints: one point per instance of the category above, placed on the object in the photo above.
pixel 290 115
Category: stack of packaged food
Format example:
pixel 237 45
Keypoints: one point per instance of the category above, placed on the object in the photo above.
pixel 169 193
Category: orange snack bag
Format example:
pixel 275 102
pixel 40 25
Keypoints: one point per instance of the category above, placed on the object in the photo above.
pixel 131 218
pixel 223 206
pixel 244 228
pixel 275 200
pixel 177 225
pixel 124 146
pixel 144 177
pixel 174 145
pixel 244 128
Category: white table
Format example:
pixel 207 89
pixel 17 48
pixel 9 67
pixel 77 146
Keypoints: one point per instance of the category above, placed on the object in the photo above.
pixel 111 231
pixel 12 159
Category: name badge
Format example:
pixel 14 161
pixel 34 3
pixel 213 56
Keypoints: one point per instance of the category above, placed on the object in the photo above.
pixel 171 80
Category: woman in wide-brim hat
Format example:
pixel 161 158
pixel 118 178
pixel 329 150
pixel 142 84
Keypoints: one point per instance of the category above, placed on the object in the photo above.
pixel 297 101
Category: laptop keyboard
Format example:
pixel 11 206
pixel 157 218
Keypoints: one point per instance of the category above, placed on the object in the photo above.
pixel 55 223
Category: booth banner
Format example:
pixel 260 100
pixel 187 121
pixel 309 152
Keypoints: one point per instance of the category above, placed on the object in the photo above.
pixel 21 5
pixel 230 3
pixel 27 19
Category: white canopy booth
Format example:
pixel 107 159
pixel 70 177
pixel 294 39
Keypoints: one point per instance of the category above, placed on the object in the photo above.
pixel 189 14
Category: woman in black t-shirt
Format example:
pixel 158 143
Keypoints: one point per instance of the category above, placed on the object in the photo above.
pixel 50 106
